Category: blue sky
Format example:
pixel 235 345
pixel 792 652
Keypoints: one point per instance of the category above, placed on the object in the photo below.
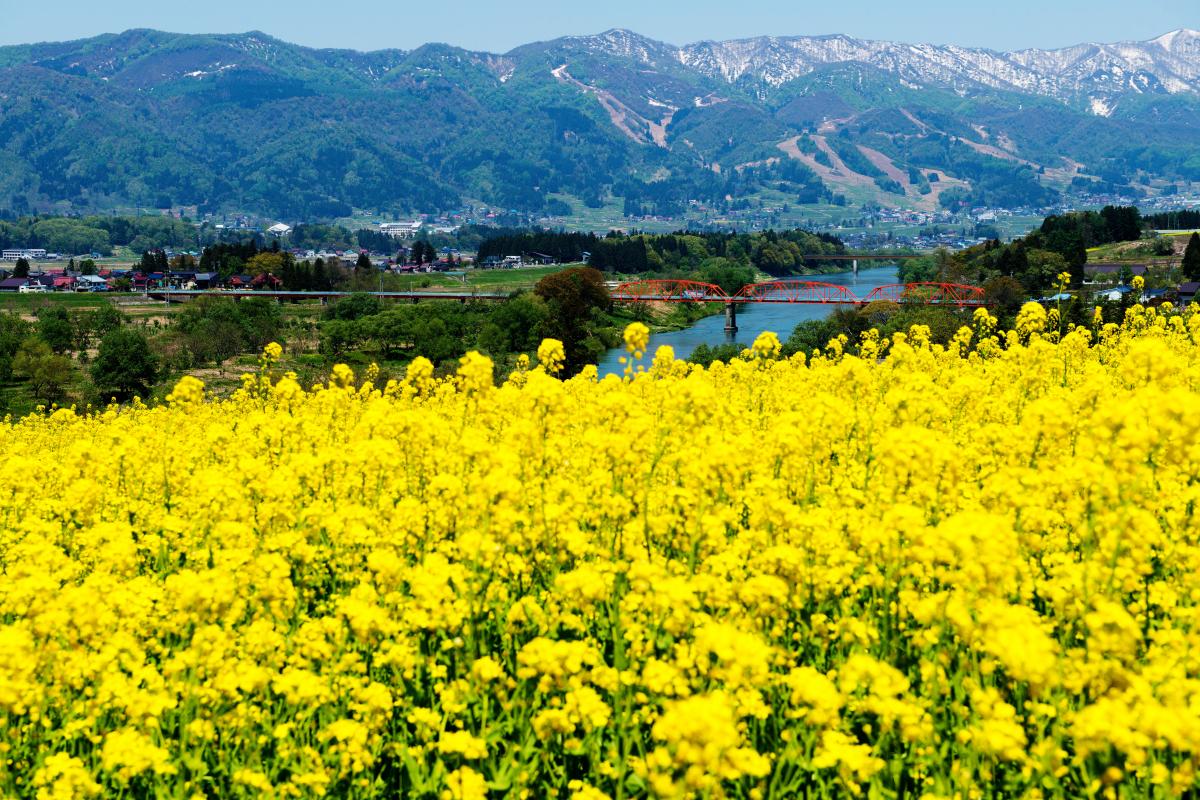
pixel 497 25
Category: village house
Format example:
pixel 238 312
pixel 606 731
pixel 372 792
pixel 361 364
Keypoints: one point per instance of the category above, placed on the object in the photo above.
pixel 1111 272
pixel 1187 292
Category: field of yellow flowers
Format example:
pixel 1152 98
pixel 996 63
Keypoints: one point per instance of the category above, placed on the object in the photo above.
pixel 914 571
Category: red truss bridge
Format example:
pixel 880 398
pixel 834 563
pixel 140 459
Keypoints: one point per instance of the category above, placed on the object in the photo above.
pixel 794 291
pixel 797 291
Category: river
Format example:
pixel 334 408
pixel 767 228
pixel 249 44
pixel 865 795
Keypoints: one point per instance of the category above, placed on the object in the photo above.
pixel 753 319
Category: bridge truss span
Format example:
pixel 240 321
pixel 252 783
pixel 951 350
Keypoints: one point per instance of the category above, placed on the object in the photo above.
pixel 795 291
pixel 669 291
pixel 936 294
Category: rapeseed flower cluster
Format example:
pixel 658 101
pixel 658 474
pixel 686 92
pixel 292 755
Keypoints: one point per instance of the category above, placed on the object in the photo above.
pixel 922 571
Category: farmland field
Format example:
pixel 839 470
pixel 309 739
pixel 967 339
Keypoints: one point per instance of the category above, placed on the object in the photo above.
pixel 923 572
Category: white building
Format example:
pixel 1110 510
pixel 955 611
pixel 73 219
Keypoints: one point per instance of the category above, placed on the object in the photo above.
pixel 401 230
pixel 13 255
pixel 279 229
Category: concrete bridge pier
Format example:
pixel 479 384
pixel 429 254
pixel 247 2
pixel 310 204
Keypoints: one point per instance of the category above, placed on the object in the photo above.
pixel 730 318
pixel 855 263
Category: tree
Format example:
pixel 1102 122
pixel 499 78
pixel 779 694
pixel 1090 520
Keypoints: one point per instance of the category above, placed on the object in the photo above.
pixel 94 325
pixel 320 280
pixel 124 367
pixel 87 267
pixel 363 264
pixel 355 306
pixel 515 326
pixel 1042 268
pixel 265 263
pixel 1005 294
pixel 46 372
pixel 21 270
pixel 216 328
pixel 56 329
pixel 13 331
pixel 573 297
pixel 1191 258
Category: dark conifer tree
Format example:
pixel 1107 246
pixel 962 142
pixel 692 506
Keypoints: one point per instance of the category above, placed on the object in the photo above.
pixel 1191 258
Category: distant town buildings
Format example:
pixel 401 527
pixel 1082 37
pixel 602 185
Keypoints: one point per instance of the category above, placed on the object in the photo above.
pixel 401 230
pixel 30 253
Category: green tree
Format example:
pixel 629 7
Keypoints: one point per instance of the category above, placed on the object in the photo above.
pixel 46 372
pixel 1005 294
pixel 125 367
pixel 56 329
pixel 1042 268
pixel 13 331
pixel 726 274
pixel 573 298
pixel 87 267
pixel 1191 258
pixel 514 327
pixel 355 306
pixel 705 355
pixel 216 328
pixel 93 325
pixel 266 262
pixel 21 270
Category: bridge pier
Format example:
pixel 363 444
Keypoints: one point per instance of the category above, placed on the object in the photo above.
pixel 730 318
pixel 855 263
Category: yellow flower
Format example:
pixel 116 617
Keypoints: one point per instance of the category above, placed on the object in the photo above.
pixel 188 391
pixel 341 376
pixel 971 562
pixel 1031 319
pixel 64 777
pixel 465 783
pixel 462 743
pixel 475 373
pixel 551 355
pixel 128 753
pixel 766 345
pixel 637 338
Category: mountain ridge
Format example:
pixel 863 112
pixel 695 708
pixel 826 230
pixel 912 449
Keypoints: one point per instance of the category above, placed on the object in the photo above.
pixel 251 121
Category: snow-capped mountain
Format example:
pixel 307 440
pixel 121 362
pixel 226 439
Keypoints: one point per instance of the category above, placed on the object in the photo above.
pixel 1094 76
pixel 250 121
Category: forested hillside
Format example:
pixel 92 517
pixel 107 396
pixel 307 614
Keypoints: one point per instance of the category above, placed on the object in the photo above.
pixel 248 122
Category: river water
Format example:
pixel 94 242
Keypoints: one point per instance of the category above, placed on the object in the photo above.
pixel 753 319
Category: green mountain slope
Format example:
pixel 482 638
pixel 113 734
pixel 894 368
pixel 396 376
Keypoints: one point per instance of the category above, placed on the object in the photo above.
pixel 248 122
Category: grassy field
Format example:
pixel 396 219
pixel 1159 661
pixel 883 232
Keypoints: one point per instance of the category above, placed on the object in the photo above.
pixel 495 280
pixel 15 301
pixel 1138 252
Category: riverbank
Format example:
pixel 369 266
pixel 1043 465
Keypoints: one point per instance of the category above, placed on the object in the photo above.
pixel 753 319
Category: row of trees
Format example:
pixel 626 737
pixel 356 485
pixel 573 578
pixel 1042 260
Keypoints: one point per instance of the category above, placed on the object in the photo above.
pixel 95 234
pixel 569 305
pixel 1185 219
pixel 95 355
pixel 39 354
pixel 1032 263
pixel 773 252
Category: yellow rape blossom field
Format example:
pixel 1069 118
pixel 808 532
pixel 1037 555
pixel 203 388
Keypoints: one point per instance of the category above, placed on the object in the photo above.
pixel 913 572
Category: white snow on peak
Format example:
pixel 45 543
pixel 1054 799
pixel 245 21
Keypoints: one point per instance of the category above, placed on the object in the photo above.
pixel 1169 64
